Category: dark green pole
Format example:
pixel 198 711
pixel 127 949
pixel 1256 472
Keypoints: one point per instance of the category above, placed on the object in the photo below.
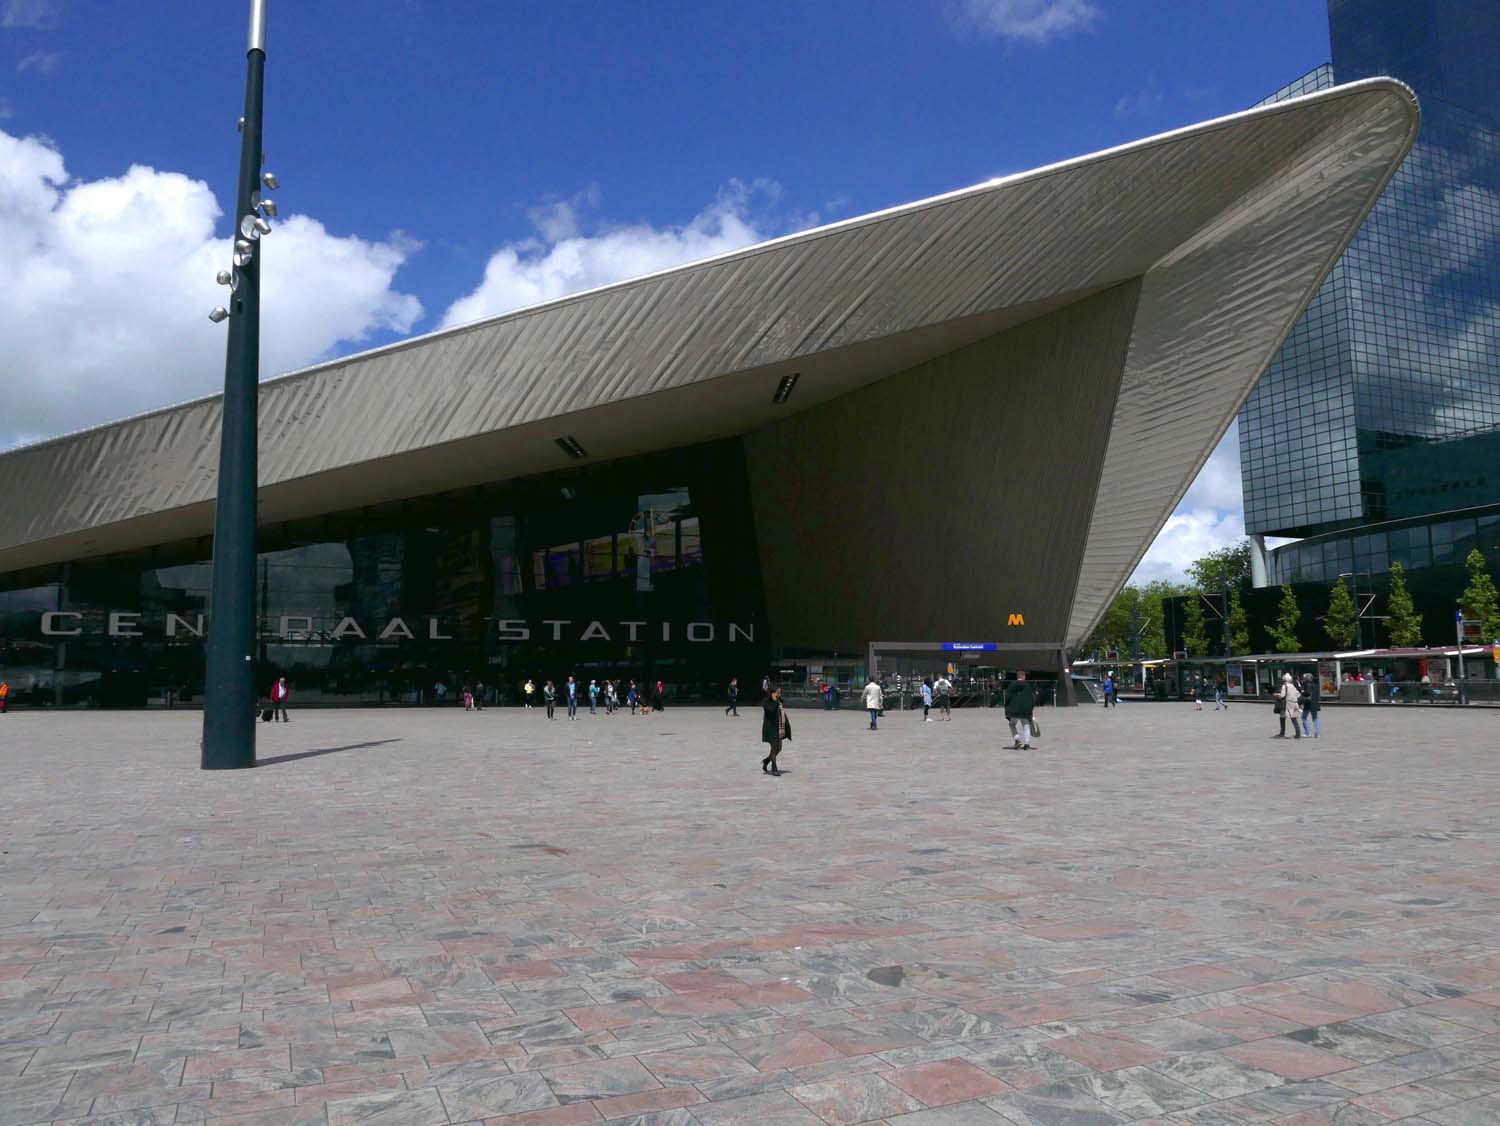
pixel 229 691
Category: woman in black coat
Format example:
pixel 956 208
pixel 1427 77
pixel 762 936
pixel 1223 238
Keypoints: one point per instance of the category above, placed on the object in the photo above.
pixel 774 728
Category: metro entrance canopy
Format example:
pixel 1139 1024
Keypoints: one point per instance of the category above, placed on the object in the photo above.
pixel 963 417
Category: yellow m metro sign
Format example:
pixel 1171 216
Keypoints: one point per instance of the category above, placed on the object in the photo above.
pixel 1016 620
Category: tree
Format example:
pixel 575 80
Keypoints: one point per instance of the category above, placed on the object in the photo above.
pixel 1239 628
pixel 1135 610
pixel 1339 622
pixel 1479 601
pixel 1194 636
pixel 1227 567
pixel 1404 621
pixel 1284 632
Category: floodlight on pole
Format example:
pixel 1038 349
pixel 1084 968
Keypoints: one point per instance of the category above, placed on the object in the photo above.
pixel 229 696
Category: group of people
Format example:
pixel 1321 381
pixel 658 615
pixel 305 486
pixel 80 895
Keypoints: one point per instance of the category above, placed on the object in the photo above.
pixel 609 693
pixel 1299 699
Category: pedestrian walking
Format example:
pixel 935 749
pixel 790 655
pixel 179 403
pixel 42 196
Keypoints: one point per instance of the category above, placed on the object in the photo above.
pixel 572 690
pixel 1287 707
pixel 1220 703
pixel 611 696
pixel 633 697
pixel 734 697
pixel 593 697
pixel 479 696
pixel 549 696
pixel 4 696
pixel 660 703
pixel 527 689
pixel 1109 688
pixel 1198 694
pixel 775 729
pixel 944 692
pixel 279 694
pixel 874 702
pixel 1019 699
pixel 1311 703
pixel 926 700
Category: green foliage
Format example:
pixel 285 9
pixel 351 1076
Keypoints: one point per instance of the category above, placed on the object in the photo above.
pixel 1239 627
pixel 1227 567
pixel 1479 601
pixel 1136 609
pixel 1194 636
pixel 1339 622
pixel 1402 617
pixel 1284 632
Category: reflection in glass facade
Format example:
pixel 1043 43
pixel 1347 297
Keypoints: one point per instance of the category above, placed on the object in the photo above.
pixel 1444 542
pixel 639 569
pixel 1384 402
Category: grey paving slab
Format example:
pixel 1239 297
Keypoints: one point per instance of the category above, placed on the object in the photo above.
pixel 433 916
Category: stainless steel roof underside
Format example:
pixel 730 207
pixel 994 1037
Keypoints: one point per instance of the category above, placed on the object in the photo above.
pixel 1230 225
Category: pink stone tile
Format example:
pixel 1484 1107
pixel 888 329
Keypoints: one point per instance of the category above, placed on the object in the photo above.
pixel 1244 1021
pixel 1291 1059
pixel 668 1098
pixel 1106 1051
pixel 858 1098
pixel 574 1114
pixel 786 1050
pixel 227 1064
pixel 1306 1011
pixel 946 1081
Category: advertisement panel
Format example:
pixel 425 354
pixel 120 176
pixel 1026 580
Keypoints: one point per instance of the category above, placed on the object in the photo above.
pixel 1328 679
pixel 1234 678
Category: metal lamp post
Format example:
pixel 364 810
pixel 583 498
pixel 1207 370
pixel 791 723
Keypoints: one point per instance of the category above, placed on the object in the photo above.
pixel 229 691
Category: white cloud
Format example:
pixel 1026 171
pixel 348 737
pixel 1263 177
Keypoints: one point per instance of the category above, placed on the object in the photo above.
pixel 1210 516
pixel 1190 534
pixel 28 13
pixel 105 286
pixel 563 259
pixel 1035 21
pixel 43 62
pixel 1142 101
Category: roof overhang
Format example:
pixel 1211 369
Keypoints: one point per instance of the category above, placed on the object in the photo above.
pixel 1230 225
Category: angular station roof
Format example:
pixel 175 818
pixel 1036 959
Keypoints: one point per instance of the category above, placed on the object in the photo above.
pixel 1230 225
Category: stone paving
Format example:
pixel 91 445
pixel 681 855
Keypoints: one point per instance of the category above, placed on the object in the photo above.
pixel 1159 915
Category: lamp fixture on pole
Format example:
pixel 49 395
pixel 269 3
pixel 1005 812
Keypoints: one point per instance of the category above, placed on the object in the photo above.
pixel 229 698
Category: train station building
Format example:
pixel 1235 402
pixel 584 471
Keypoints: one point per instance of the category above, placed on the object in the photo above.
pixel 961 421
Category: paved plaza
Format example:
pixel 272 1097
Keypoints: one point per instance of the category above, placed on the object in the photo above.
pixel 431 917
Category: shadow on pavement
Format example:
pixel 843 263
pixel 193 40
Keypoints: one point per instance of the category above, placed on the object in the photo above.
pixel 321 751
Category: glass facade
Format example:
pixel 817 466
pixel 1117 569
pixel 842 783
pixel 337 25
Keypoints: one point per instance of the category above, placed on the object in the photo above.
pixel 1437 543
pixel 1384 402
pixel 640 569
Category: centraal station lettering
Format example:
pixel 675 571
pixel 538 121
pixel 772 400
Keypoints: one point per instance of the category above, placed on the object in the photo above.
pixel 306 628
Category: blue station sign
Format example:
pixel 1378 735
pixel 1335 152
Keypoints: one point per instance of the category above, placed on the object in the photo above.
pixel 969 646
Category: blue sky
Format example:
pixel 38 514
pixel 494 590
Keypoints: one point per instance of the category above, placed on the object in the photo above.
pixel 444 160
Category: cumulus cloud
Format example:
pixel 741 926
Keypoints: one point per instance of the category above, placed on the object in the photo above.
pixel 563 259
pixel 1210 516
pixel 105 286
pixel 1034 21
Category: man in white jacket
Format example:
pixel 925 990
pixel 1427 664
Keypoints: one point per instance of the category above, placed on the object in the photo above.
pixel 874 701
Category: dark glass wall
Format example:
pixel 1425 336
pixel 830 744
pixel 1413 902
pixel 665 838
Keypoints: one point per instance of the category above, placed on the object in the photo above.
pixel 1385 400
pixel 640 569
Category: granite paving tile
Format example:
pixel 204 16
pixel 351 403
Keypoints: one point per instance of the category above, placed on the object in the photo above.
pixel 493 1097
pixel 772 1108
pixel 389 1108
pixel 858 1098
pixel 946 1081
pixel 927 900
pixel 1054 1104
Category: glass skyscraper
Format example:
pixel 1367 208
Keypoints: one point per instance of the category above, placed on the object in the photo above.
pixel 1375 432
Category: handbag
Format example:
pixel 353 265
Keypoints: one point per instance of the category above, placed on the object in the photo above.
pixel 1036 729
pixel 1280 706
